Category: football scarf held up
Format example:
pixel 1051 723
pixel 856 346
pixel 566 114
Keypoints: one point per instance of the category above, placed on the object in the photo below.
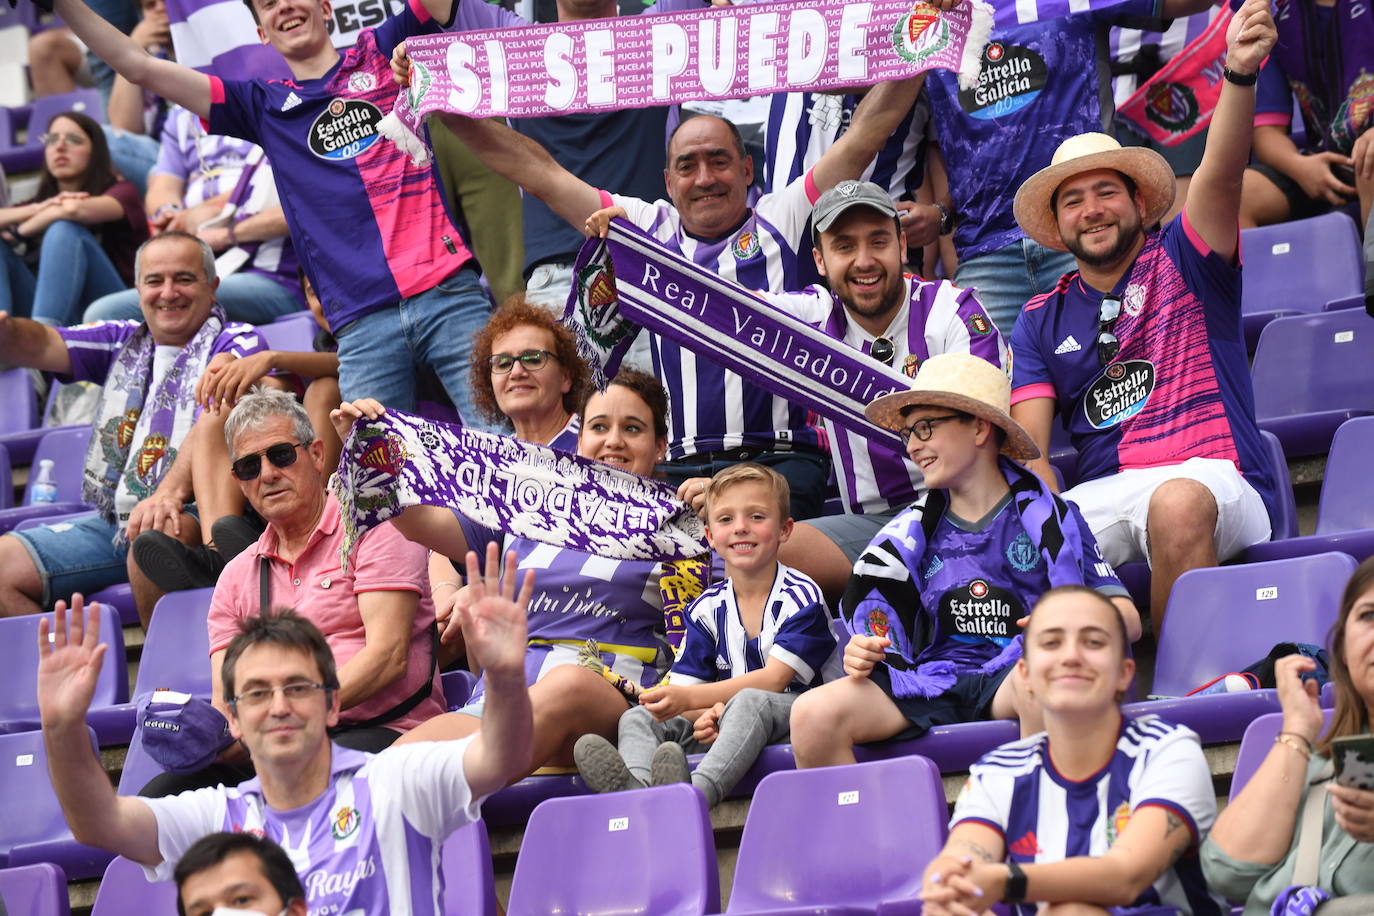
pixel 525 489
pixel 628 281
pixel 724 52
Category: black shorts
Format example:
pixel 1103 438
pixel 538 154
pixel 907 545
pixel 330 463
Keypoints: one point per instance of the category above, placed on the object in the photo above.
pixel 969 700
pixel 1300 206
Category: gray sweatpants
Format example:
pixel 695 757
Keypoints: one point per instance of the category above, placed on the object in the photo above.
pixel 752 719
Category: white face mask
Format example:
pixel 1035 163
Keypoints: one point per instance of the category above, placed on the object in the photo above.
pixel 234 911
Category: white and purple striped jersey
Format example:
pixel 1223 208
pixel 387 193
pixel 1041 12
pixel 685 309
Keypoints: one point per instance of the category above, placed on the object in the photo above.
pixel 369 845
pixel 796 631
pixel 803 125
pixel 939 318
pixel 709 408
pixel 1045 817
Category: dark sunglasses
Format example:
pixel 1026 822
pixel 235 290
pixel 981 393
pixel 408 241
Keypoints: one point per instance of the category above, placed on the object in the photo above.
pixel 532 360
pixel 1107 344
pixel 282 455
pixel 883 350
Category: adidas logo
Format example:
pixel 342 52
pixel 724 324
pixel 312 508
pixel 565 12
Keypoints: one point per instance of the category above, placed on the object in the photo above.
pixel 1027 846
pixel 1069 345
pixel 292 100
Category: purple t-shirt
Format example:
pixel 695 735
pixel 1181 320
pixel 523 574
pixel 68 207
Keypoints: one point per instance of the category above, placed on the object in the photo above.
pixel 369 226
pixel 1179 387
pixel 1041 83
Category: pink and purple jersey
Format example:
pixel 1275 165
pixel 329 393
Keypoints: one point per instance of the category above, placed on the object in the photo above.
pixel 369 845
pixel 939 318
pixel 1043 816
pixel 1179 387
pixel 369 226
pixel 709 408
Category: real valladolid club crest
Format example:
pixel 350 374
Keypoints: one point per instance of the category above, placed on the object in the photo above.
pixel 1172 106
pixel 596 299
pixel 920 33
pixel 420 80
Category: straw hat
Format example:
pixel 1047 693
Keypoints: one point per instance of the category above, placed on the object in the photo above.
pixel 1084 153
pixel 962 382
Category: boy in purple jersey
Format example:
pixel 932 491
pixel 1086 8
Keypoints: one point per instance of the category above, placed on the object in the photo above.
pixel 364 830
pixel 398 283
pixel 754 642
pixel 137 470
pixel 716 418
pixel 1141 350
pixel 898 319
pixel 936 600
pixel 1105 813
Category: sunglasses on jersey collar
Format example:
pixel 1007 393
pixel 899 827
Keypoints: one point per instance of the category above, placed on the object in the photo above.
pixel 282 455
pixel 1107 313
pixel 883 350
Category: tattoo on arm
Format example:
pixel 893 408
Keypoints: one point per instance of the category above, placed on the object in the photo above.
pixel 1172 826
pixel 978 852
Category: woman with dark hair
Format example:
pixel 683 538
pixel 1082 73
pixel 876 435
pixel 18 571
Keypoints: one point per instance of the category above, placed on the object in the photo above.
pixel 84 225
pixel 1251 853
pixel 578 598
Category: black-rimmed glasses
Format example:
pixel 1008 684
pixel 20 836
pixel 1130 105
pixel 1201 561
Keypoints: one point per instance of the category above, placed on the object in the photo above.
pixel 924 428
pixel 1107 344
pixel 532 360
pixel 282 455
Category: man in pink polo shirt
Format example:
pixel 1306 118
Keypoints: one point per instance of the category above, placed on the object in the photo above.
pixel 377 617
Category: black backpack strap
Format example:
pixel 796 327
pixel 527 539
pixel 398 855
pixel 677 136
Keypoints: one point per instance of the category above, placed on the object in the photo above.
pixel 410 702
pixel 264 586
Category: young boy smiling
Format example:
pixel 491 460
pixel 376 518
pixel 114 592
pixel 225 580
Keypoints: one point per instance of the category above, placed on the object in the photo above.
pixel 754 642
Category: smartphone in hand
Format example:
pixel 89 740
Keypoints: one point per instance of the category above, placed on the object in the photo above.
pixel 1353 756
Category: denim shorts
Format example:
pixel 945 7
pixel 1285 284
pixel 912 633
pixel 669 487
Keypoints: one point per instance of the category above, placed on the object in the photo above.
pixel 75 555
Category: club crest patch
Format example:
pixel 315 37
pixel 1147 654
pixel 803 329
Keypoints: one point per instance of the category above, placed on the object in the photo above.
pixel 920 33
pixel 345 822
pixel 745 246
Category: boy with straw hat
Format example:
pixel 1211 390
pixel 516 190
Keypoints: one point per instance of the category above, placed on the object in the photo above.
pixel 935 601
pixel 1140 349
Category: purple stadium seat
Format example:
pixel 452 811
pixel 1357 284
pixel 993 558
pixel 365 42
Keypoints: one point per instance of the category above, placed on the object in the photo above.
pixel 457 688
pixel 515 803
pixel 21 403
pixel 66 446
pixel 647 851
pixel 124 891
pixel 1298 266
pixel 139 768
pixel 37 889
pixel 1345 511
pixel 1312 373
pixel 19 668
pixel 1239 613
pixel 176 654
pixel 890 815
pixel 291 333
pixel 6 486
pixel 33 828
pixel 469 889
pixel 1254 746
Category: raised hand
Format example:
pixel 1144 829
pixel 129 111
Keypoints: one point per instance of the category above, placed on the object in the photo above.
pixel 493 621
pixel 68 663
pixel 346 413
pixel 1250 36
pixel 599 221
pixel 1302 713
pixel 400 65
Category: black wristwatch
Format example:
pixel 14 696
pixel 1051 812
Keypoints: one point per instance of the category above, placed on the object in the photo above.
pixel 1016 884
pixel 946 218
pixel 1239 79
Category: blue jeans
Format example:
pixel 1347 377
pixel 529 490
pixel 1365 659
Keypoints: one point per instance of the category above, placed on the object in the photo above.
pixel 16 283
pixel 380 353
pixel 244 296
pixel 75 555
pixel 134 155
pixel 1008 277
pixel 807 474
pixel 72 270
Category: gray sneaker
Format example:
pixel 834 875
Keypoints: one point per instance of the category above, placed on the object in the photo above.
pixel 669 765
pixel 601 766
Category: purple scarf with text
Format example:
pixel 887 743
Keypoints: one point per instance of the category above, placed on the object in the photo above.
pixel 499 482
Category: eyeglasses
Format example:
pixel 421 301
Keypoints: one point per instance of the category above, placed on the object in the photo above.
pixel 924 428
pixel 296 692
pixel 883 350
pixel 1107 344
pixel 282 455
pixel 532 360
pixel 69 139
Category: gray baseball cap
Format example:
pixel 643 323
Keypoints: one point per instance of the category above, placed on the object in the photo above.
pixel 845 195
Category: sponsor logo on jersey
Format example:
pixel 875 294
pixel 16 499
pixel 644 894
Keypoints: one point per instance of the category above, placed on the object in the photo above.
pixel 1026 845
pixel 1010 79
pixel 292 100
pixel 978 611
pixel 1119 393
pixel 1068 345
pixel 344 129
